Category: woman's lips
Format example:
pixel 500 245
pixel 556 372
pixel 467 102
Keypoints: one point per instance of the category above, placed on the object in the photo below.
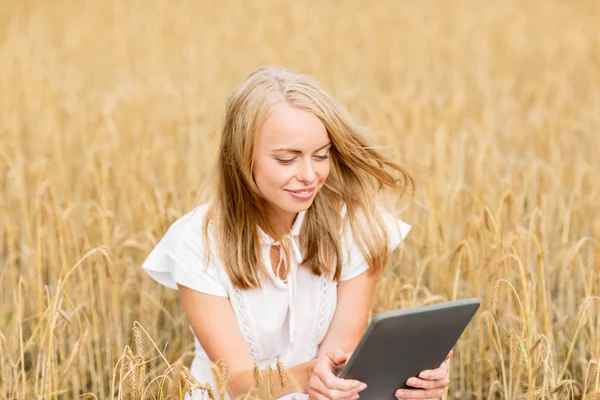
pixel 301 194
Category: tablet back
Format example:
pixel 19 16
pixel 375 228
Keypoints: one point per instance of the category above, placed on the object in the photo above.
pixel 400 344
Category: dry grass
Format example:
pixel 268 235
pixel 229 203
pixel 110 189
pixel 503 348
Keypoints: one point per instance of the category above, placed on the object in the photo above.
pixel 109 115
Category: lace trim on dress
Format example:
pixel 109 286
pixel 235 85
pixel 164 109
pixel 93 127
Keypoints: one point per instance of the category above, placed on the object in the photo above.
pixel 246 324
pixel 320 325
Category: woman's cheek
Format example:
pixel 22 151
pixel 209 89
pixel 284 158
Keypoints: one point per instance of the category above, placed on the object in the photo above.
pixel 282 177
pixel 324 173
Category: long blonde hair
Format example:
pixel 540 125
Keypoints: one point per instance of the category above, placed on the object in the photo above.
pixel 359 178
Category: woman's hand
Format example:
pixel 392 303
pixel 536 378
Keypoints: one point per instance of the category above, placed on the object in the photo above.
pixel 430 383
pixel 325 385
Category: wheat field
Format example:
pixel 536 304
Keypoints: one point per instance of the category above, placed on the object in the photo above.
pixel 109 121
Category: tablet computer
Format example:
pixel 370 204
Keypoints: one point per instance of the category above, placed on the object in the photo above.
pixel 400 344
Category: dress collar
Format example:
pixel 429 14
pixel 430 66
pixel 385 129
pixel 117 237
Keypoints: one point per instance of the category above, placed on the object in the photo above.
pixel 296 259
pixel 295 231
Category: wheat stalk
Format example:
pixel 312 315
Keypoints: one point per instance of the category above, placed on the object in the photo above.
pixel 188 379
pixel 177 383
pixel 494 298
pixel 593 379
pixel 134 392
pixel 139 358
pixel 205 387
pixel 257 377
pixel 220 375
pixel 283 379
pixel 271 386
pixel 559 387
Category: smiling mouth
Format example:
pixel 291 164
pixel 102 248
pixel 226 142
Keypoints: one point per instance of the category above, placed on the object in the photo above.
pixel 301 191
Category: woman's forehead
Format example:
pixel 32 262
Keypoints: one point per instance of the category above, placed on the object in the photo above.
pixel 287 127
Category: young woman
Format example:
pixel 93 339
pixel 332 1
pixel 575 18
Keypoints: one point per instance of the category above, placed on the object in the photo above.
pixel 281 261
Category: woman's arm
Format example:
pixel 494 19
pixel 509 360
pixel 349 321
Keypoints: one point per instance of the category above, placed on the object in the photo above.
pixel 214 324
pixel 354 299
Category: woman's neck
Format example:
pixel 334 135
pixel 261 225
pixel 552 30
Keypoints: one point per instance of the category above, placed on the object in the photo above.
pixel 282 221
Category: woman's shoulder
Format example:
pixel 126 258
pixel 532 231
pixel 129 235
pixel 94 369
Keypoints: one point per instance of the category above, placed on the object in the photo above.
pixel 183 256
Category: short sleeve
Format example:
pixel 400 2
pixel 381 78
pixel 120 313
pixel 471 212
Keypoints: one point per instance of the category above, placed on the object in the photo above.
pixel 180 257
pixel 354 261
pixel 397 231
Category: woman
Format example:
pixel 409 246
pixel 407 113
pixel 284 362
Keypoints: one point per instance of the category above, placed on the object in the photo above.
pixel 281 262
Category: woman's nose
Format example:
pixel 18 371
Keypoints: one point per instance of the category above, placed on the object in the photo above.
pixel 307 173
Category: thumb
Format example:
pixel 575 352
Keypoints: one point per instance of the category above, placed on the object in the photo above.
pixel 337 356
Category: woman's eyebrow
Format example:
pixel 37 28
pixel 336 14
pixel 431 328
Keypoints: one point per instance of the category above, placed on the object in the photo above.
pixel 298 151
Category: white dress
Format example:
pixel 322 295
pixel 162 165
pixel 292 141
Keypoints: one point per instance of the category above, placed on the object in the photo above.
pixel 287 318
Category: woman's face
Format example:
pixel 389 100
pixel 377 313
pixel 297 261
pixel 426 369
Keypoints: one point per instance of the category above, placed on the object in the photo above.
pixel 291 159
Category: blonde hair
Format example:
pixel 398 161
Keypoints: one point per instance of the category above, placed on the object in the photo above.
pixel 358 179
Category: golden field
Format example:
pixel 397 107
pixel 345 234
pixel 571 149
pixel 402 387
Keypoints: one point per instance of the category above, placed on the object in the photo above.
pixel 109 119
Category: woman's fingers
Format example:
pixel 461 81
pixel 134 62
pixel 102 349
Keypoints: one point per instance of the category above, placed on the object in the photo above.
pixel 435 374
pixel 312 395
pixel 419 394
pixel 342 385
pixel 425 384
pixel 332 382
pixel 449 356
pixel 432 398
pixel 324 382
pixel 430 383
pixel 327 392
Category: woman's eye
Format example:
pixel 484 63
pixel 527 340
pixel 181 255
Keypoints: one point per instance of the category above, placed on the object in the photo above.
pixel 325 157
pixel 285 161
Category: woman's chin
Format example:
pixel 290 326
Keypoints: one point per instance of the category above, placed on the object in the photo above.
pixel 295 207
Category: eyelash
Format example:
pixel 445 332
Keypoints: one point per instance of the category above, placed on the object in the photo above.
pixel 290 160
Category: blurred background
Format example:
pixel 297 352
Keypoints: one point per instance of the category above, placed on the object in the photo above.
pixel 109 120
